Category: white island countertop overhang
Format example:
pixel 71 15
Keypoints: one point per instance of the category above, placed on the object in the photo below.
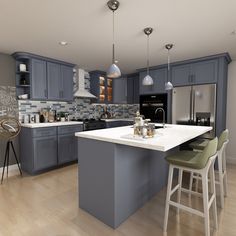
pixel 164 139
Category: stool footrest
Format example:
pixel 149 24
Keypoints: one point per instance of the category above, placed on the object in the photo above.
pixel 183 207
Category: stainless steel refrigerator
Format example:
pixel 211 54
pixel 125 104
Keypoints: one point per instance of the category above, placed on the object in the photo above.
pixel 195 105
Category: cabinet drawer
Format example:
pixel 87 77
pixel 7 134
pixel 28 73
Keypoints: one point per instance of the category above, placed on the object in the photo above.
pixel 70 129
pixel 40 132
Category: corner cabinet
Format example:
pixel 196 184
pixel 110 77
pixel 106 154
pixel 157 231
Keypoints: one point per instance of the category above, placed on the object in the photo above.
pixel 42 149
pixel 45 78
pixel 203 72
pixel 159 77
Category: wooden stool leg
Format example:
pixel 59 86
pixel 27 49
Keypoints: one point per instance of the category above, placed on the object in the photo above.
pixel 16 158
pixel 190 183
pixel 180 186
pixel 219 158
pixel 213 191
pixel 205 203
pixel 5 160
pixel 169 186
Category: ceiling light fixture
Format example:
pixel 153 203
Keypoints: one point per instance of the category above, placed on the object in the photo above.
pixel 168 84
pixel 63 43
pixel 147 80
pixel 113 71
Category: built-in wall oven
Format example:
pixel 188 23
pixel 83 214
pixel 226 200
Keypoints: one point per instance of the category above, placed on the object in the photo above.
pixel 150 103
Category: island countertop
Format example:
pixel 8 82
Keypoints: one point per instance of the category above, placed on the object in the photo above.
pixel 164 139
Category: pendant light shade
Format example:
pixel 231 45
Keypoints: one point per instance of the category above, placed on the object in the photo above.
pixel 147 80
pixel 113 71
pixel 168 84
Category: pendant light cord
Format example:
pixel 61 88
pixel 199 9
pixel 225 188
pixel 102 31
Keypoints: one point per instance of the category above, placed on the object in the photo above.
pixel 148 54
pixel 113 38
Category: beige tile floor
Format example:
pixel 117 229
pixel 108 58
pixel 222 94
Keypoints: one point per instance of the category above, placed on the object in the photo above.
pixel 47 204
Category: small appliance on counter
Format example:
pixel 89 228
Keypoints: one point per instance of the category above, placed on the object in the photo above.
pixel 143 128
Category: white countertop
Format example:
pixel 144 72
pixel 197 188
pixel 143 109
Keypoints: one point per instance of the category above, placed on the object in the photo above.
pixel 42 125
pixel 164 140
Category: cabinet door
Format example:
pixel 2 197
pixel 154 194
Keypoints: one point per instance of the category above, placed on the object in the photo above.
pixel 120 90
pixel 67 148
pixel 133 89
pixel 136 90
pixel 54 81
pixel 66 91
pixel 45 152
pixel 205 72
pixel 130 90
pixel 39 79
pixel 159 77
pixel 181 75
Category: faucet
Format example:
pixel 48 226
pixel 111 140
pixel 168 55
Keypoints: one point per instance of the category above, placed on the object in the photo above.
pixel 163 117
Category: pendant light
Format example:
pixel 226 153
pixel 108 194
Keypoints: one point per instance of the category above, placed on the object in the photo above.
pixel 113 71
pixel 147 80
pixel 168 84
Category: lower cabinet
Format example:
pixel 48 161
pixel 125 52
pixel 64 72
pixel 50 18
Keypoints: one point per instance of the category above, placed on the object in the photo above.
pixel 44 148
pixel 67 148
pixel 45 152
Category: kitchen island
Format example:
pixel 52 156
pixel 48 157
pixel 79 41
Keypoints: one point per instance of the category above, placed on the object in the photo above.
pixel 118 174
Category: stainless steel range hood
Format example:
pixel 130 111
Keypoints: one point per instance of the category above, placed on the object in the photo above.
pixel 81 91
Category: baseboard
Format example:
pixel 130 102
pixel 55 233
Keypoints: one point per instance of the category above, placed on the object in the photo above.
pixel 10 168
pixel 231 160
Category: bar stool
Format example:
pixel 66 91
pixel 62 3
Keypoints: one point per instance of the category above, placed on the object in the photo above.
pixel 201 163
pixel 9 130
pixel 221 161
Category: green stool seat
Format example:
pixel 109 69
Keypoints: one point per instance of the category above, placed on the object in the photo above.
pixel 194 160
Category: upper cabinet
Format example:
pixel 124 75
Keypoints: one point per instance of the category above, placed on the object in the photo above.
pixel 101 86
pixel 133 88
pixel 39 81
pixel 43 78
pixel 202 72
pixel 54 81
pixel 120 90
pixel 159 77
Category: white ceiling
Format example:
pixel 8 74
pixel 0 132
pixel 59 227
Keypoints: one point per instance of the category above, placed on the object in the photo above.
pixel 196 27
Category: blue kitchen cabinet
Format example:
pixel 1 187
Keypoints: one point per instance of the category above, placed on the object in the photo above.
pixel 45 78
pixel 120 90
pixel 205 72
pixel 66 90
pixel 54 81
pixel 39 79
pixel 45 148
pixel 133 88
pixel 159 77
pixel 67 145
pixel 202 72
pixel 45 152
pixel 181 75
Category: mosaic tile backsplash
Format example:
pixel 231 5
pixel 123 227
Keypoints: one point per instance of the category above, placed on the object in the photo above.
pixel 79 108
pixel 8 102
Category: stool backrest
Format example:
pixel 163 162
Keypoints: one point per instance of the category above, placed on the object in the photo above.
pixel 208 152
pixel 224 137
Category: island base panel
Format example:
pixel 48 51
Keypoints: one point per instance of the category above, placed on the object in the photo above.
pixel 116 180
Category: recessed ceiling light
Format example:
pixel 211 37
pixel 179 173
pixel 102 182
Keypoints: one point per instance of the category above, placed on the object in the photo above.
pixel 233 32
pixel 63 43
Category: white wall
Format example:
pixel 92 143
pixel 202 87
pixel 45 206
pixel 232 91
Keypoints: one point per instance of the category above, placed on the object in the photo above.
pixel 231 112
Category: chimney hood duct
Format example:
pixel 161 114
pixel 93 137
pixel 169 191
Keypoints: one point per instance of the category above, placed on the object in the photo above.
pixel 81 91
